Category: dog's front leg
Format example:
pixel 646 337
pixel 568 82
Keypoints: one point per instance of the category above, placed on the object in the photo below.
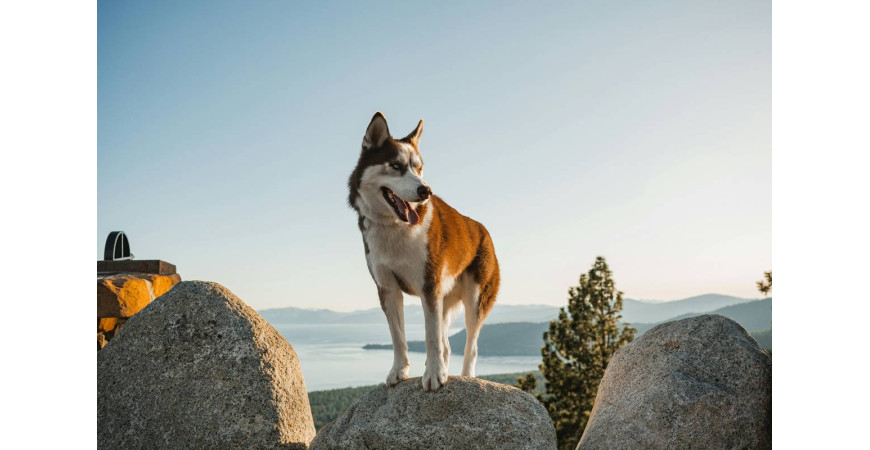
pixel 392 304
pixel 435 374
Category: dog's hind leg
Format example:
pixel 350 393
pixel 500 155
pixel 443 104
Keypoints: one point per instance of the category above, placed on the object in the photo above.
pixel 445 341
pixel 473 322
pixel 451 302
pixel 478 295
pixel 392 304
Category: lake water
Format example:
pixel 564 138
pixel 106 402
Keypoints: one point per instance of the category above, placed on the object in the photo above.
pixel 332 355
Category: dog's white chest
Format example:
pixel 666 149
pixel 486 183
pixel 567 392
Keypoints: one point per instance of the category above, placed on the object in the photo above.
pixel 397 251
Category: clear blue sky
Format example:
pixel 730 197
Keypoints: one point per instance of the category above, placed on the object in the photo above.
pixel 639 131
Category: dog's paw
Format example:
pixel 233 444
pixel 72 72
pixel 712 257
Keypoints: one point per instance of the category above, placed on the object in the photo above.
pixel 434 379
pixel 396 376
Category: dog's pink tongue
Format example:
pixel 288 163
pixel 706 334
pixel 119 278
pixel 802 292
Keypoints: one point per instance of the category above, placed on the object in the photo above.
pixel 413 217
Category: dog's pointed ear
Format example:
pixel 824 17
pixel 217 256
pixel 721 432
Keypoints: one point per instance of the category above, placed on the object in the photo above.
pixel 377 132
pixel 415 135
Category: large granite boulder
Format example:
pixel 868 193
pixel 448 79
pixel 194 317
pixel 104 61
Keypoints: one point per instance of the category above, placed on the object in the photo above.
pixel 465 413
pixel 197 368
pixel 701 382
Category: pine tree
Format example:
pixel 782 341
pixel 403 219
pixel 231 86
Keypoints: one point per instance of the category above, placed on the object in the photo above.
pixel 577 349
pixel 765 285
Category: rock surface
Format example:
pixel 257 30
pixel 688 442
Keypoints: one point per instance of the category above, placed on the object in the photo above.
pixel 122 295
pixel 701 382
pixel 119 296
pixel 465 413
pixel 197 368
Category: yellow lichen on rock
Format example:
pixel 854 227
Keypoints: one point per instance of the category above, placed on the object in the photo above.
pixel 106 324
pixel 120 296
pixel 161 284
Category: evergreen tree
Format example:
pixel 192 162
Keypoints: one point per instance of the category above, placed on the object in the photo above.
pixel 576 350
pixel 765 285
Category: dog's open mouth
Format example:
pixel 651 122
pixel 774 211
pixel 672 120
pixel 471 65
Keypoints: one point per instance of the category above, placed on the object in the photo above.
pixel 402 208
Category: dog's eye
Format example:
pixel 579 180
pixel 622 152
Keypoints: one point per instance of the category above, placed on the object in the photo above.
pixel 396 166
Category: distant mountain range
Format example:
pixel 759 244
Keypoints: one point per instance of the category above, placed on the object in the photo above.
pixel 526 339
pixel 500 339
pixel 413 314
pixel 634 311
pixel 650 312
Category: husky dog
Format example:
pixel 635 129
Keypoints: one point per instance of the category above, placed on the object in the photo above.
pixel 417 244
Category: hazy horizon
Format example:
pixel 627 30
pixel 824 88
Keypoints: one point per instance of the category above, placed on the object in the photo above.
pixel 637 131
pixel 410 301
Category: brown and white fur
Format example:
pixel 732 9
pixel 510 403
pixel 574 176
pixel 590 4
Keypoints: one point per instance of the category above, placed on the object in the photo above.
pixel 417 244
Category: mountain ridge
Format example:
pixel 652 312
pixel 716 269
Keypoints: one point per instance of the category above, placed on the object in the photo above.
pixel 526 338
pixel 633 311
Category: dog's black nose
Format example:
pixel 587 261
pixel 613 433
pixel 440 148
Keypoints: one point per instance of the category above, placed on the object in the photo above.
pixel 424 192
